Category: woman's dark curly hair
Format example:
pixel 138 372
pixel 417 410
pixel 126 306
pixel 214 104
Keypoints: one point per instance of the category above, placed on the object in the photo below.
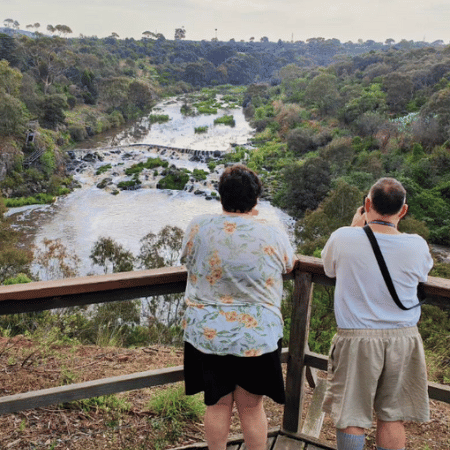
pixel 239 189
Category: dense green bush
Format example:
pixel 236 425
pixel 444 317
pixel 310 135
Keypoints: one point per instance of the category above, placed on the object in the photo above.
pixel 158 118
pixel 225 120
pixel 174 179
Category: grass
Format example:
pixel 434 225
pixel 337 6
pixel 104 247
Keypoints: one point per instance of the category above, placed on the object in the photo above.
pixel 172 404
pixel 102 169
pixel 201 129
pixel 225 120
pixel 38 199
pixel 151 163
pixel 158 118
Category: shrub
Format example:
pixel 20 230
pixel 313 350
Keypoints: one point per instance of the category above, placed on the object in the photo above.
pixel 176 179
pixel 201 129
pixel 199 175
pixel 225 120
pixel 172 404
pixel 158 118
pixel 151 163
pixel 103 169
pixel 132 184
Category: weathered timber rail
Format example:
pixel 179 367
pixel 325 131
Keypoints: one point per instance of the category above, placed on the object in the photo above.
pixel 46 295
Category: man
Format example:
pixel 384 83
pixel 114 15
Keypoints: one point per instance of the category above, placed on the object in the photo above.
pixel 376 359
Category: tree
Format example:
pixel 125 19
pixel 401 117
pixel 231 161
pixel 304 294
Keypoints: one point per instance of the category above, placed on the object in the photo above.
pixel 336 211
pixel 111 256
pixel 305 185
pixel 150 34
pixel 399 89
pixel 8 23
pixel 141 94
pixel 13 115
pixel 113 91
pixel 322 91
pixel 48 59
pixel 10 79
pixel 55 261
pixel 160 250
pixel 51 112
pixel 13 261
pixel 180 33
pixel 63 30
pixel 8 48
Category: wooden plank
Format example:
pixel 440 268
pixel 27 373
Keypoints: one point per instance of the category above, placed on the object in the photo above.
pixel 301 311
pixel 97 283
pixel 270 442
pixel 286 443
pixel 104 386
pixel 308 440
pixel 439 392
pixel 314 418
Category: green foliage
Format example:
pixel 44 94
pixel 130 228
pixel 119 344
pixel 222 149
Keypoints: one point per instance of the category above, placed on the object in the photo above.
pixel 151 163
pixel 102 169
pixel 164 312
pixel 323 324
pixel 158 118
pixel 13 115
pixel 105 403
pixel 21 278
pixel 225 120
pixel 337 210
pixel 199 130
pixel 173 405
pixel 174 179
pixel 48 162
pixel 132 184
pixel 111 256
pixel 305 186
pixel 38 199
pixel 434 327
pixel 199 174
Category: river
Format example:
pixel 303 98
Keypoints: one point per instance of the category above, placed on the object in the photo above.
pixel 79 219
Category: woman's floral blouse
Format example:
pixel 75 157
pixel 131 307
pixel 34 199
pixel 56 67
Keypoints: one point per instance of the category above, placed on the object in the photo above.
pixel 234 287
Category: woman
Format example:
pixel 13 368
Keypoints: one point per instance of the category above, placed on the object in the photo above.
pixel 233 325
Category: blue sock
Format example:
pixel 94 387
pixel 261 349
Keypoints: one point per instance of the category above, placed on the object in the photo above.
pixel 350 441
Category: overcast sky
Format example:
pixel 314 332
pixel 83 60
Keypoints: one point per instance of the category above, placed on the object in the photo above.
pixel 345 20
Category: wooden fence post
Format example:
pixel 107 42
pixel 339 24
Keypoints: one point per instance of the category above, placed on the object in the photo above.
pixel 295 379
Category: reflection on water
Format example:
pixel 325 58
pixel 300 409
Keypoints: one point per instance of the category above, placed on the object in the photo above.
pixel 179 131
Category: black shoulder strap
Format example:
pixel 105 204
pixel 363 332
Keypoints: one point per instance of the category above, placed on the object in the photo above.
pixel 384 269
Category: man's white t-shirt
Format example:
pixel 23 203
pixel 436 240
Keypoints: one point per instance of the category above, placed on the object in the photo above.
pixel 362 299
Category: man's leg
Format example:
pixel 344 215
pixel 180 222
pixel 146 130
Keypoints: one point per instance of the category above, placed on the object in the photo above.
pixel 350 438
pixel 390 435
pixel 253 418
pixel 217 423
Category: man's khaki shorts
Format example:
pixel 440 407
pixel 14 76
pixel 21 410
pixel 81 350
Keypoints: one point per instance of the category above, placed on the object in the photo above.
pixel 381 370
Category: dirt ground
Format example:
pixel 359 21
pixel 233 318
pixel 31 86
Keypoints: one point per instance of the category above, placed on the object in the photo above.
pixel 26 365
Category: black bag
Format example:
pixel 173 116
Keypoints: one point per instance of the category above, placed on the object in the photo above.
pixel 387 278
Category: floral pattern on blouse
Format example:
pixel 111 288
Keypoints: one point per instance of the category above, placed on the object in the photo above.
pixel 234 289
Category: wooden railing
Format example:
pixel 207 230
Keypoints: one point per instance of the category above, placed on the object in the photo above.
pixel 39 296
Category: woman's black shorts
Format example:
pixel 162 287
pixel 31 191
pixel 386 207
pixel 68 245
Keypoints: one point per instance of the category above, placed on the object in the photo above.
pixel 218 375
